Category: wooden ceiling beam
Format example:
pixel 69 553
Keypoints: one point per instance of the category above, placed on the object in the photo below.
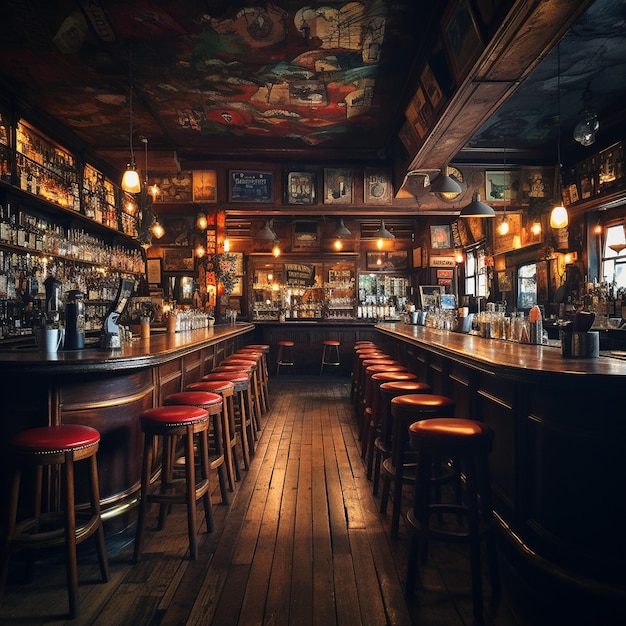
pixel 527 34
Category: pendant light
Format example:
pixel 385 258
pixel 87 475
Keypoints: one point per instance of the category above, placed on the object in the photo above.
pixel 477 208
pixel 201 221
pixel 586 129
pixel 444 183
pixel 341 231
pixel 130 178
pixel 381 234
pixel 503 228
pixel 558 217
pixel 266 233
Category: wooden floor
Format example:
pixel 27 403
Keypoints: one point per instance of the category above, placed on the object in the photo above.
pixel 300 543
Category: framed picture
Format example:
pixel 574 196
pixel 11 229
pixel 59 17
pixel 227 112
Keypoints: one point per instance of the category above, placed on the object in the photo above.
pixel 338 185
pixel 537 182
pixel 440 237
pixel 431 87
pixel 153 271
pixel 501 186
pixel 419 113
pixel 300 188
pixel 386 261
pixel 250 186
pixel 505 281
pixel 429 296
pixel 398 259
pixel 178 259
pixel 377 187
pixel 461 39
pixel 204 186
pixel 417 257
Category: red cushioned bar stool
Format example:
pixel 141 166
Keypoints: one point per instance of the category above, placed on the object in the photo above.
pixel 243 414
pixel 254 405
pixel 405 410
pixel 468 443
pixel 389 390
pixel 213 404
pixel 226 389
pixel 264 349
pixel 284 357
pixel 359 346
pixel 59 448
pixel 170 423
pixel 330 354
pixel 257 387
pixel 358 384
pixel 259 358
pixel 371 367
pixel 373 429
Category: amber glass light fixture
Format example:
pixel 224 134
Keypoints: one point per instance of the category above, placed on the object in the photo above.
pixel 157 229
pixel 201 221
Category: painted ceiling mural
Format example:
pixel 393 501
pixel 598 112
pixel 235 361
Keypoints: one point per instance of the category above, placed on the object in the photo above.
pixel 305 74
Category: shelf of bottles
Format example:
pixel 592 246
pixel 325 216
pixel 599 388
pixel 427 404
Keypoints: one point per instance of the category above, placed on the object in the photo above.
pixel 99 198
pixel 381 296
pixel 45 169
pixel 327 292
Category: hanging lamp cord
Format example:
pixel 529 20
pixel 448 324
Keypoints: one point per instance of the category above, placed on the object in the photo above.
pixel 130 103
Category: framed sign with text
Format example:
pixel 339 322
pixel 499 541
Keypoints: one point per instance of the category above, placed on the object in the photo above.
pixel 250 186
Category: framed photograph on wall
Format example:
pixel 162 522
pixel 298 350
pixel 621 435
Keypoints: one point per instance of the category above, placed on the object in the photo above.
pixel 417 257
pixel 204 186
pixel 429 296
pixel 440 237
pixel 377 187
pixel 153 271
pixel 178 259
pixel 300 188
pixel 431 87
pixel 502 186
pixel 537 182
pixel 461 39
pixel 338 185
pixel 250 186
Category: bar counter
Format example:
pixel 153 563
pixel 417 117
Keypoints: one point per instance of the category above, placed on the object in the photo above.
pixel 106 389
pixel 558 456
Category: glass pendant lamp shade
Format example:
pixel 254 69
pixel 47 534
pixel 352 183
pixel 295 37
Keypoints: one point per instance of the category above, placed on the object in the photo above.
pixel 477 208
pixel 559 217
pixel 130 179
pixel 157 229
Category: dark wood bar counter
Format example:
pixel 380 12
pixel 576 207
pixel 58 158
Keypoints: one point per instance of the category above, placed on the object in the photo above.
pixel 560 439
pixel 107 389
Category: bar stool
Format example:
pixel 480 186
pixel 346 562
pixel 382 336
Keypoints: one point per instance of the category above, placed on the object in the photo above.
pixel 213 404
pixel 170 423
pixel 389 390
pixel 263 350
pixel 253 362
pixel 373 429
pixel 360 356
pixel 468 443
pixel 284 357
pixel 376 366
pixel 359 346
pixel 243 415
pixel 405 410
pixel 330 345
pixel 252 398
pixel 58 447
pixel 226 389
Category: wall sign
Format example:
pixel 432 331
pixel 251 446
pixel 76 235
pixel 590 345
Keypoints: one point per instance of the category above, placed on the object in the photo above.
pixel 442 261
pixel 300 274
pixel 248 186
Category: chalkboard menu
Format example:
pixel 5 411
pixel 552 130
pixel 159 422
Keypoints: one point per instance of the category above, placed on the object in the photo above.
pixel 247 186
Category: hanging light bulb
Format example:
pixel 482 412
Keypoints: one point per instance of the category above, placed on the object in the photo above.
pixel 535 228
pixel 157 229
pixel 130 178
pixel 199 251
pixel 276 248
pixel 586 129
pixel 597 229
pixel 226 245
pixel 381 234
pixel 559 217
pixel 503 228
pixel 201 221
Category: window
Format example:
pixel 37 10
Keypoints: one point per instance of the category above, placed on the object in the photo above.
pixel 527 286
pixel 475 273
pixel 614 257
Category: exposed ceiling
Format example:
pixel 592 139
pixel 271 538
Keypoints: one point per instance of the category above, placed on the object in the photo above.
pixel 285 80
